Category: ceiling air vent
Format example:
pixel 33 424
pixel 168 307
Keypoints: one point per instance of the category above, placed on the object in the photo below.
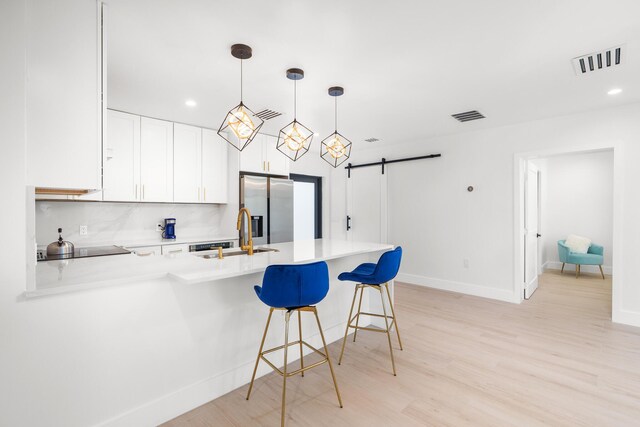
pixel 372 140
pixel 267 114
pixel 607 58
pixel 467 116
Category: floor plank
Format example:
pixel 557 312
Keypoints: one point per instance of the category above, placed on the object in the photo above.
pixel 553 360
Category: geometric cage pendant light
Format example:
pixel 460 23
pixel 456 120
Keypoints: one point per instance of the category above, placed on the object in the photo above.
pixel 240 126
pixel 335 149
pixel 295 138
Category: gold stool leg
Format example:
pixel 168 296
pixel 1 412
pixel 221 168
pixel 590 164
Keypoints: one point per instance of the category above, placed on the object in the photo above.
pixel 358 314
pixel 386 322
pixel 287 316
pixel 326 352
pixel 562 269
pixel 346 332
pixel 601 272
pixel 266 328
pixel 577 271
pixel 393 313
pixel 300 336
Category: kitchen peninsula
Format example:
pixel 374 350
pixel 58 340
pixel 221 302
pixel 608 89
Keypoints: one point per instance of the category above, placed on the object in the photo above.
pixel 199 316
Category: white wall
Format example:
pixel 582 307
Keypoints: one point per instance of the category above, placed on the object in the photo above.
pixel 577 198
pixel 439 223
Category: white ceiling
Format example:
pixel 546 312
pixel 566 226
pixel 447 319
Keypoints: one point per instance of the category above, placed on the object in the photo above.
pixel 406 66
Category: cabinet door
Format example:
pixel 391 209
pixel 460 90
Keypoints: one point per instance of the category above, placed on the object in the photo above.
pixel 187 175
pixel 214 167
pixel 146 250
pixel 277 163
pixel 252 158
pixel 63 113
pixel 121 175
pixel 156 160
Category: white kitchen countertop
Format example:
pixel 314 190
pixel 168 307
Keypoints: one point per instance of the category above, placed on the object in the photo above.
pixel 54 277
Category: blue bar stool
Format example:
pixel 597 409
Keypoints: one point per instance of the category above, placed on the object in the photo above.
pixel 374 276
pixel 293 288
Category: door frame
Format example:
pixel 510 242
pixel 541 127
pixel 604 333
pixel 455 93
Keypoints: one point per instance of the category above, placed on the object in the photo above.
pixel 538 270
pixel 519 169
pixel 317 180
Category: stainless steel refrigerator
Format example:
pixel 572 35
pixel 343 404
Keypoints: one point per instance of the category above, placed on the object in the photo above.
pixel 270 201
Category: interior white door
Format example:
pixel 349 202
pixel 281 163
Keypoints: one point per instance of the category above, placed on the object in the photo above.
pixel 214 167
pixel 366 205
pixel 156 160
pixel 187 174
pixel 121 174
pixel 531 198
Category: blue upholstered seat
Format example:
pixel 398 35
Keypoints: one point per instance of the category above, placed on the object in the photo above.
pixel 594 256
pixel 297 285
pixel 374 274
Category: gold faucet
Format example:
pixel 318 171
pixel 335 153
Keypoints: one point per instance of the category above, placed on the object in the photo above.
pixel 249 246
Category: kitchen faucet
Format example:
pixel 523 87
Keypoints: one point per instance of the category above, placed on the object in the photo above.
pixel 249 246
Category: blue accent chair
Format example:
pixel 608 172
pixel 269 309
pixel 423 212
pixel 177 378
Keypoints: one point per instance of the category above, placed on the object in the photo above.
pixel 594 256
pixel 293 288
pixel 376 276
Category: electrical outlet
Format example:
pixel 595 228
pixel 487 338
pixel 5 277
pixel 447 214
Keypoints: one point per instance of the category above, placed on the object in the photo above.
pixel 159 227
pixel 465 262
pixel 84 230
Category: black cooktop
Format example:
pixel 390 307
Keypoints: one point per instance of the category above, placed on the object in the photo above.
pixel 84 253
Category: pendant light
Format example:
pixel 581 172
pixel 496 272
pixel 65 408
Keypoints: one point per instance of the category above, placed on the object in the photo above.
pixel 295 138
pixel 240 125
pixel 335 149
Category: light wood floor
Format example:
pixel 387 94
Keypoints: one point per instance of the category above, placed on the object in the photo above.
pixel 555 360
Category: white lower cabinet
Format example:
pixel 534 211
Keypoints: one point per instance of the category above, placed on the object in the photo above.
pixel 147 250
pixel 174 249
pixel 156 160
pixel 187 163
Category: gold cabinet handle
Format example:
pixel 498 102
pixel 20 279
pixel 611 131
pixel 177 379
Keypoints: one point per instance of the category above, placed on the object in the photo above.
pixel 269 166
pixel 142 191
pixel 198 193
pixel 136 192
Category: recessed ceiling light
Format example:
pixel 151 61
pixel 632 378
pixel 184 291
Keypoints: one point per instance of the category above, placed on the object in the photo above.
pixel 614 91
pixel 190 103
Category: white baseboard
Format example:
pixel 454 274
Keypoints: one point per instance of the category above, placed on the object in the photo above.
pixel 460 287
pixel 557 265
pixel 626 317
pixel 190 397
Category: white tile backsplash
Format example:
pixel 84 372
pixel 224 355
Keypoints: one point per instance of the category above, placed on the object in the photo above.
pixel 110 223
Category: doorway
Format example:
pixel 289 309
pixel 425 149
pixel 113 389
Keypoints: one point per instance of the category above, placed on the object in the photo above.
pixel 562 194
pixel 307 207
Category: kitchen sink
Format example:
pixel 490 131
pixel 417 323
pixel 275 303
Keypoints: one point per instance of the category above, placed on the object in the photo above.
pixel 236 253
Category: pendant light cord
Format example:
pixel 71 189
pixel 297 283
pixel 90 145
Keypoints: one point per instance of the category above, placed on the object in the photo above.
pixel 241 81
pixel 336 112
pixel 295 99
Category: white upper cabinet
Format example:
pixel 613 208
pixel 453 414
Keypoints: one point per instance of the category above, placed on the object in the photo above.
pixel 187 163
pixel 122 157
pixel 262 156
pixel 64 83
pixel 214 167
pixel 156 160
pixel 252 157
pixel 277 163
